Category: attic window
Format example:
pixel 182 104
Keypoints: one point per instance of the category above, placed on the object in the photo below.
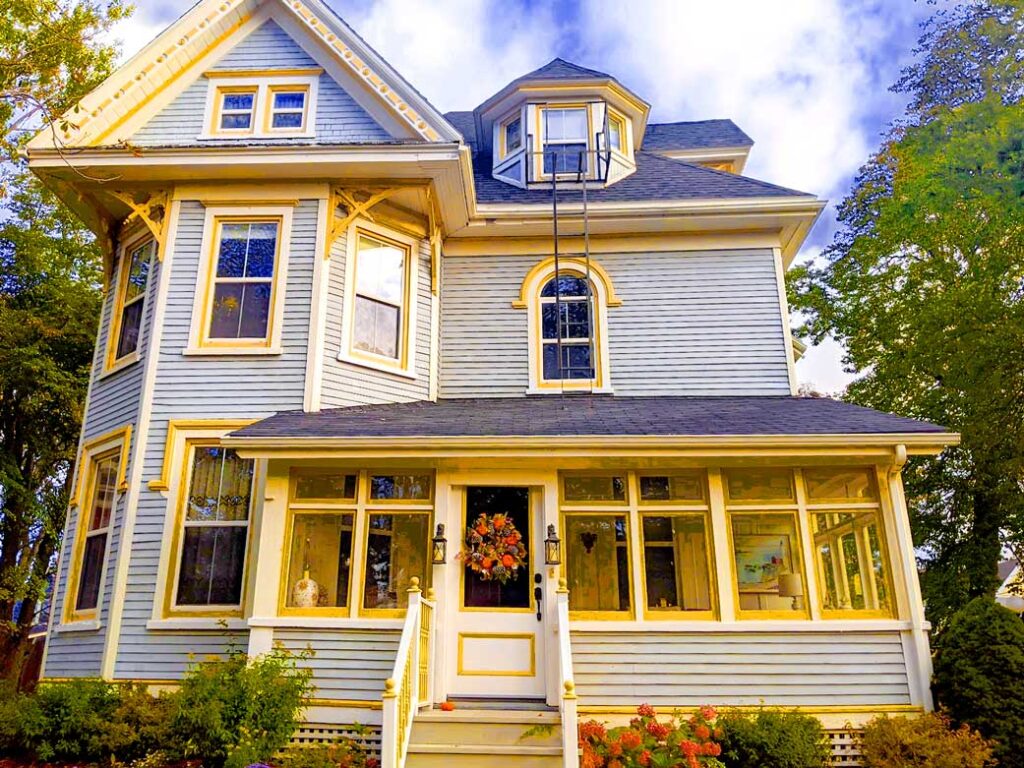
pixel 565 139
pixel 236 109
pixel 261 106
pixel 288 109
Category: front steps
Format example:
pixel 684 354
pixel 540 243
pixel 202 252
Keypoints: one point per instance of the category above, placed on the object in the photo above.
pixel 467 738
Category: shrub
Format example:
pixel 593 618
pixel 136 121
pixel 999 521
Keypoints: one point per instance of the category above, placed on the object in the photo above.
pixel 923 742
pixel 773 738
pixel 236 711
pixel 646 741
pixel 344 753
pixel 979 675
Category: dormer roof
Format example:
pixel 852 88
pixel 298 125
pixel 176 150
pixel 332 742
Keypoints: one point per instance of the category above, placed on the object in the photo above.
pixel 560 69
pixel 699 134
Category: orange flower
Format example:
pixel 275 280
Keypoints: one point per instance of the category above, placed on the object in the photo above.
pixel 510 540
pixel 702 732
pixel 487 563
pixel 499 522
pixel 482 529
pixel 508 561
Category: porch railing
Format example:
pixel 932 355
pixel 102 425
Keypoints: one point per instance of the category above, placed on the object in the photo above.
pixel 567 702
pixel 411 683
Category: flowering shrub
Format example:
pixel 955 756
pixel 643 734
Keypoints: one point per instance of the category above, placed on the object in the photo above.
pixel 653 743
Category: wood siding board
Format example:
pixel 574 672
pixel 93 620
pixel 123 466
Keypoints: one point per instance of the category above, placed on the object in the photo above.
pixel 682 669
pixel 191 387
pixel 339 118
pixel 691 323
pixel 346 664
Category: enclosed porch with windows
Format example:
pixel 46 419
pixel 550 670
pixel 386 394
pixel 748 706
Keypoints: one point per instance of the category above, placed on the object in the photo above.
pixel 588 573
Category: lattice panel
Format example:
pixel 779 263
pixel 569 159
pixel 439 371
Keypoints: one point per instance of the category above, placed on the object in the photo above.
pixel 845 747
pixel 310 734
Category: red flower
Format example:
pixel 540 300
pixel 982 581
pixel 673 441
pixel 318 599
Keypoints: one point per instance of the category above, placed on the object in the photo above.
pixel 631 739
pixel 508 561
pixel 614 749
pixel 689 748
pixel 708 712
pixel 615 764
pixel 702 732
pixel 592 730
pixel 657 730
pixel 645 758
pixel 646 710
pixel 711 749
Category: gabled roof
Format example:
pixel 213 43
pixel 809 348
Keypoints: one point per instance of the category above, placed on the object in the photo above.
pixel 590 415
pixel 560 69
pixel 656 178
pixel 700 134
pixel 203 33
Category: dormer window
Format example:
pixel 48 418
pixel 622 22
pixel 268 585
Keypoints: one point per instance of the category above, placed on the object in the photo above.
pixel 511 135
pixel 616 133
pixel 565 142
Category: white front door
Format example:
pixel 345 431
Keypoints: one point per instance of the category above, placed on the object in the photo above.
pixel 496 648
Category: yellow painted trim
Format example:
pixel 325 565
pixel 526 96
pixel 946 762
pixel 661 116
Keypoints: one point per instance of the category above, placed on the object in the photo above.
pixel 347 703
pixel 215 74
pixel 679 614
pixel 122 435
pixel 597 511
pixel 530 636
pixel 175 427
pixel 569 264
pixel 111 361
pixel 336 611
pixel 268 112
pixel 214 128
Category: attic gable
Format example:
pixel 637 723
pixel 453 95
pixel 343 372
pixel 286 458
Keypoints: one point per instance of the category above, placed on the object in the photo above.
pixel 209 33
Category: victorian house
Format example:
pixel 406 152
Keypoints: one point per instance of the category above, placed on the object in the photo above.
pixel 494 406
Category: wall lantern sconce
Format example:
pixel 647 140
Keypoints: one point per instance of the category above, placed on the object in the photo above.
pixel 552 547
pixel 440 546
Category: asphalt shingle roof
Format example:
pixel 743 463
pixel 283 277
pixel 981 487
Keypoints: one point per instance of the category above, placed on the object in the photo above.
pixel 560 69
pixel 701 134
pixel 656 178
pixel 585 415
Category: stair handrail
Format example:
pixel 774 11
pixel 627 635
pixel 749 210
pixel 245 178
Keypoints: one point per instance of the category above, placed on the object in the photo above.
pixel 567 686
pixel 411 678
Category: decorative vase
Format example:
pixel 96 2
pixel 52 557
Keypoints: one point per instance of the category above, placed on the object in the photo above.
pixel 306 592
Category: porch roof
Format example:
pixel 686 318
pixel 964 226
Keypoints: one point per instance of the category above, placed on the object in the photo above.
pixel 584 415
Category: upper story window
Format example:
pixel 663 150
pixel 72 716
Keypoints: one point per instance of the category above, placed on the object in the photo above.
pixel 511 135
pixel 240 298
pixel 132 287
pixel 616 133
pixel 565 139
pixel 380 275
pixel 262 105
pixel 567 324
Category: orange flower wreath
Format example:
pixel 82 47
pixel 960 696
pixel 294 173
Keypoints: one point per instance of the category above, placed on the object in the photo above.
pixel 494 549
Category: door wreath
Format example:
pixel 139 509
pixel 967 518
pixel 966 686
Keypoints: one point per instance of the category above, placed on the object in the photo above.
pixel 494 549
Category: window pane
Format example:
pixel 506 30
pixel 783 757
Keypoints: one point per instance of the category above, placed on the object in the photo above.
pixel 594 488
pixel 513 135
pixel 105 487
pixel 676 563
pixel 826 484
pixel 289 100
pixel 255 316
pixel 321 556
pixel 247 250
pixel 566 124
pixel 575 319
pixel 92 572
pixel 236 121
pixel 212 561
pixel 376 327
pixel 565 158
pixel 615 134
pixel 131 324
pixel 396 550
pixel 262 249
pixel 221 485
pixel 766 557
pixel 760 484
pixel 850 561
pixel 234 241
pixel 380 270
pixel 227 311
pixel 687 486
pixel 597 562
pixel 238 101
pixel 566 285
pixel 325 485
pixel 287 120
pixel 575 361
pixel 138 274
pixel 397 487
pixel 514 503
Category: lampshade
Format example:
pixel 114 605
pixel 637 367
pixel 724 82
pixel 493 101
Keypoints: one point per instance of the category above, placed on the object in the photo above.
pixel 791 585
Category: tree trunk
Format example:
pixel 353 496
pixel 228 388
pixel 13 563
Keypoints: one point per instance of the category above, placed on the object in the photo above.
pixel 983 545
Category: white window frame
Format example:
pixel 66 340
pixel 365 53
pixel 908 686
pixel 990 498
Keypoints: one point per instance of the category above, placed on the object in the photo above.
pixel 265 86
pixel 405 365
pixel 588 139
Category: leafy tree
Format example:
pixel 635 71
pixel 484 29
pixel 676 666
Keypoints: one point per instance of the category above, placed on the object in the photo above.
pixel 51 54
pixel 924 286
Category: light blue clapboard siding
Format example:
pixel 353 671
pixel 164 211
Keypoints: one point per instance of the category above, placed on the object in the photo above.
pixel 688 669
pixel 200 387
pixel 691 323
pixel 347 384
pixel 339 118
pixel 113 403
pixel 347 664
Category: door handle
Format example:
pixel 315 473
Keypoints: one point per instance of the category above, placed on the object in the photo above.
pixel 538 594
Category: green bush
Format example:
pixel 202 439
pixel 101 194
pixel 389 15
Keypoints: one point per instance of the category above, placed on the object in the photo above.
pixel 979 675
pixel 923 742
pixel 343 753
pixel 236 711
pixel 773 738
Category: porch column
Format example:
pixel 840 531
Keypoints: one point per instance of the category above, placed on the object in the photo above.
pixel 265 558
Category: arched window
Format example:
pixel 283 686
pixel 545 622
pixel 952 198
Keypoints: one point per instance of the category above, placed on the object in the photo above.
pixel 568 325
pixel 572 337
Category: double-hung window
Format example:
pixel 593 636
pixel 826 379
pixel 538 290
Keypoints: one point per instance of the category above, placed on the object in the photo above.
pixel 131 302
pixel 565 131
pixel 95 523
pixel 213 530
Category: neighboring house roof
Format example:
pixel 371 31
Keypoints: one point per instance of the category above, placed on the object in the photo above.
pixel 656 178
pixel 1005 568
pixel 1011 592
pixel 590 415
pixel 700 134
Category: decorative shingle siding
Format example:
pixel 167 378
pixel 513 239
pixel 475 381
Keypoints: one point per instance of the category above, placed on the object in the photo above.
pixel 113 403
pixel 740 668
pixel 348 384
pixel 339 119
pixel 199 387
pixel 692 323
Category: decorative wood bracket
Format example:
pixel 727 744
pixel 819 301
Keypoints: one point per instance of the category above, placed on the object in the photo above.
pixel 152 212
pixel 435 242
pixel 354 207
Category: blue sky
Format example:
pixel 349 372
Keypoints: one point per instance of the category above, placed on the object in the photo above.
pixel 808 80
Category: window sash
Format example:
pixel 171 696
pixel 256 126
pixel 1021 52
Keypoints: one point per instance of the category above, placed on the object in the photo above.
pixel 512 132
pixel 243 289
pixel 138 264
pixel 227 112
pixel 388 338
pixel 276 111
pixel 94 521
